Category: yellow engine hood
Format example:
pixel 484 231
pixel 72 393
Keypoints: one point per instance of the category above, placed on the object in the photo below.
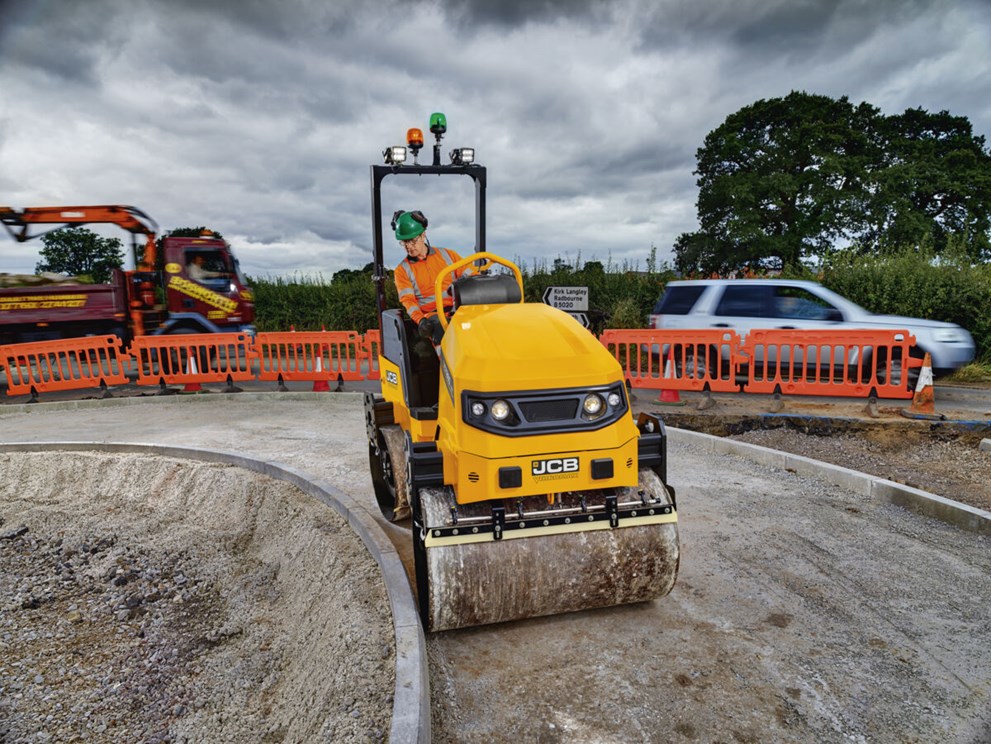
pixel 527 346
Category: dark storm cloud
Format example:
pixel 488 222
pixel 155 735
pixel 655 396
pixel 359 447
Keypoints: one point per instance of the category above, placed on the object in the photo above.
pixel 261 118
pixel 56 38
pixel 775 26
pixel 508 13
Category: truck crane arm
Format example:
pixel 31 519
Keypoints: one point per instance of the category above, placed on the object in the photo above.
pixel 132 219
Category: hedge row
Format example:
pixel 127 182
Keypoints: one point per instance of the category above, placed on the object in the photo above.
pixel 913 283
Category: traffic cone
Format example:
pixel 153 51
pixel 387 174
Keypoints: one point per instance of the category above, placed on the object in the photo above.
pixel 924 401
pixel 192 387
pixel 669 397
pixel 320 386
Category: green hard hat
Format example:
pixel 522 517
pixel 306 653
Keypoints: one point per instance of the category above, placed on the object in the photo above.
pixel 408 227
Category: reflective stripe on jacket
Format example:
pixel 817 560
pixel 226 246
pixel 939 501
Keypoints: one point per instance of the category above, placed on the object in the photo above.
pixel 415 281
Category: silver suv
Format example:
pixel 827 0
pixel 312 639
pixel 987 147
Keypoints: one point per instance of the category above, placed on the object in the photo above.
pixel 746 304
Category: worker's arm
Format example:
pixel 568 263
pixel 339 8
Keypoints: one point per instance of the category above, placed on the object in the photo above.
pixel 406 294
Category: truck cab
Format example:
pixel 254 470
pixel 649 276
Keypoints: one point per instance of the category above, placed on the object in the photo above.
pixel 204 288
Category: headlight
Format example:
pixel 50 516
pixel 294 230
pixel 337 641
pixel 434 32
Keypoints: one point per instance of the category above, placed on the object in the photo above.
pixel 948 335
pixel 614 399
pixel 477 409
pixel 500 410
pixel 593 405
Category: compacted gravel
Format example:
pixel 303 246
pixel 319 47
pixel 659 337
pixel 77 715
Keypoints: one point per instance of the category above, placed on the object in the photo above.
pixel 803 611
pixel 148 599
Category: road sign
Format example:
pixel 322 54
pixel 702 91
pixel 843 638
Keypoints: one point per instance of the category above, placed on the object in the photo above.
pixel 581 318
pixel 569 299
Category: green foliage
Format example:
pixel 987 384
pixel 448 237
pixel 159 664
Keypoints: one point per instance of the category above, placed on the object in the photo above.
pixel 347 303
pixel 613 290
pixel 77 251
pixel 974 373
pixel 918 283
pixel 194 232
pixel 785 179
pixel 912 282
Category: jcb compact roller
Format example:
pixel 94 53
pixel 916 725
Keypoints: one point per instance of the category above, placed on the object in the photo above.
pixel 529 487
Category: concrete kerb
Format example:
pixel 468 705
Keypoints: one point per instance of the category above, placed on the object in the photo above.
pixel 411 700
pixel 921 502
pixel 178 398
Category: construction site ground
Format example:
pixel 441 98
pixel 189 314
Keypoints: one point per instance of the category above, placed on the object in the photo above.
pixel 939 456
pixel 803 611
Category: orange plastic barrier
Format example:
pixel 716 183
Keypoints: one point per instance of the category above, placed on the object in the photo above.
pixel 190 359
pixel 65 364
pixel 676 360
pixel 852 363
pixel 310 356
pixel 372 343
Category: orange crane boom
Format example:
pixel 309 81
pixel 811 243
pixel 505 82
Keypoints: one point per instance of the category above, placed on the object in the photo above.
pixel 132 219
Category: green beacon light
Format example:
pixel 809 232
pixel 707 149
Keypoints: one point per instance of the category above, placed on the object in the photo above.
pixel 438 124
pixel 438 127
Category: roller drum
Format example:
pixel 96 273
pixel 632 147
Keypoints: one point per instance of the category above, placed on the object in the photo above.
pixel 509 579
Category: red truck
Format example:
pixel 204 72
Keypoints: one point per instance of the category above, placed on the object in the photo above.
pixel 180 284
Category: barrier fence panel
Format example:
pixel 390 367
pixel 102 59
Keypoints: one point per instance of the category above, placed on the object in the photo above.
pixel 372 344
pixel 310 356
pixel 64 364
pixel 675 359
pixel 852 363
pixel 193 358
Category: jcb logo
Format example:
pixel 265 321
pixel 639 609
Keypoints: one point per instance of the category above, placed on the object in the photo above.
pixel 391 377
pixel 555 466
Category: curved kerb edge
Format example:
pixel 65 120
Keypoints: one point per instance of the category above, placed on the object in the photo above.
pixel 411 700
pixel 916 500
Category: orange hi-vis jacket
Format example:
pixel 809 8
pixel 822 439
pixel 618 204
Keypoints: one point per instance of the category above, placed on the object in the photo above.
pixel 415 281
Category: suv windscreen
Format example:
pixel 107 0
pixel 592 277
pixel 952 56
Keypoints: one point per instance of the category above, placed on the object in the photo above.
pixel 678 300
pixel 798 303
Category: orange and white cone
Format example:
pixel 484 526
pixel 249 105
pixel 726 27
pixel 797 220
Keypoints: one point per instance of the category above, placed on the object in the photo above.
pixel 924 401
pixel 669 397
pixel 192 387
pixel 320 385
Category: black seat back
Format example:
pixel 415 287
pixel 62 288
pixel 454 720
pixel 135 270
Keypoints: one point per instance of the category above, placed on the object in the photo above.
pixel 490 289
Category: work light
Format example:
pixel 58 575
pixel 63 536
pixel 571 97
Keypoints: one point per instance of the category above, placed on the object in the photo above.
pixel 395 155
pixel 463 156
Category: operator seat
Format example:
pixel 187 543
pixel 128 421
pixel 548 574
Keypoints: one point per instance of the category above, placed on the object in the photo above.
pixel 486 289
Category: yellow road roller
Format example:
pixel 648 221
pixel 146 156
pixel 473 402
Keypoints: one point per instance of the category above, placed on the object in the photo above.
pixel 529 487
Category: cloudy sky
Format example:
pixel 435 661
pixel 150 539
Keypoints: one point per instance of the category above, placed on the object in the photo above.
pixel 260 118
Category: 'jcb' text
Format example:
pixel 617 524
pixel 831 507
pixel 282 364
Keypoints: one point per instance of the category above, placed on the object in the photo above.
pixel 555 466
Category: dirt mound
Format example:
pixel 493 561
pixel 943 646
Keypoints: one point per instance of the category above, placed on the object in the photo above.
pixel 153 599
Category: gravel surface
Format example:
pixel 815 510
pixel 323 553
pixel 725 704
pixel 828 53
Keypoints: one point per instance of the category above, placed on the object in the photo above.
pixel 158 600
pixel 945 464
pixel 803 612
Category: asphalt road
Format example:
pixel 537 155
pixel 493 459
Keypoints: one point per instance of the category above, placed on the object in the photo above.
pixel 803 612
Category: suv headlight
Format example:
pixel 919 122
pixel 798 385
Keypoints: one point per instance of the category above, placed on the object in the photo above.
pixel 949 336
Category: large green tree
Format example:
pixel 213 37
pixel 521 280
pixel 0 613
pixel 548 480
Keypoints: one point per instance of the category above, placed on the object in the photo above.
pixel 77 251
pixel 788 178
pixel 935 182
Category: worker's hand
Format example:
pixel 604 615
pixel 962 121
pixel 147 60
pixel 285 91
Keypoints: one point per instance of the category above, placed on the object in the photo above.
pixel 430 328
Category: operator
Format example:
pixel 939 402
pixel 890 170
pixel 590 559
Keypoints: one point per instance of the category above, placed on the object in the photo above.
pixel 417 274
pixel 197 272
